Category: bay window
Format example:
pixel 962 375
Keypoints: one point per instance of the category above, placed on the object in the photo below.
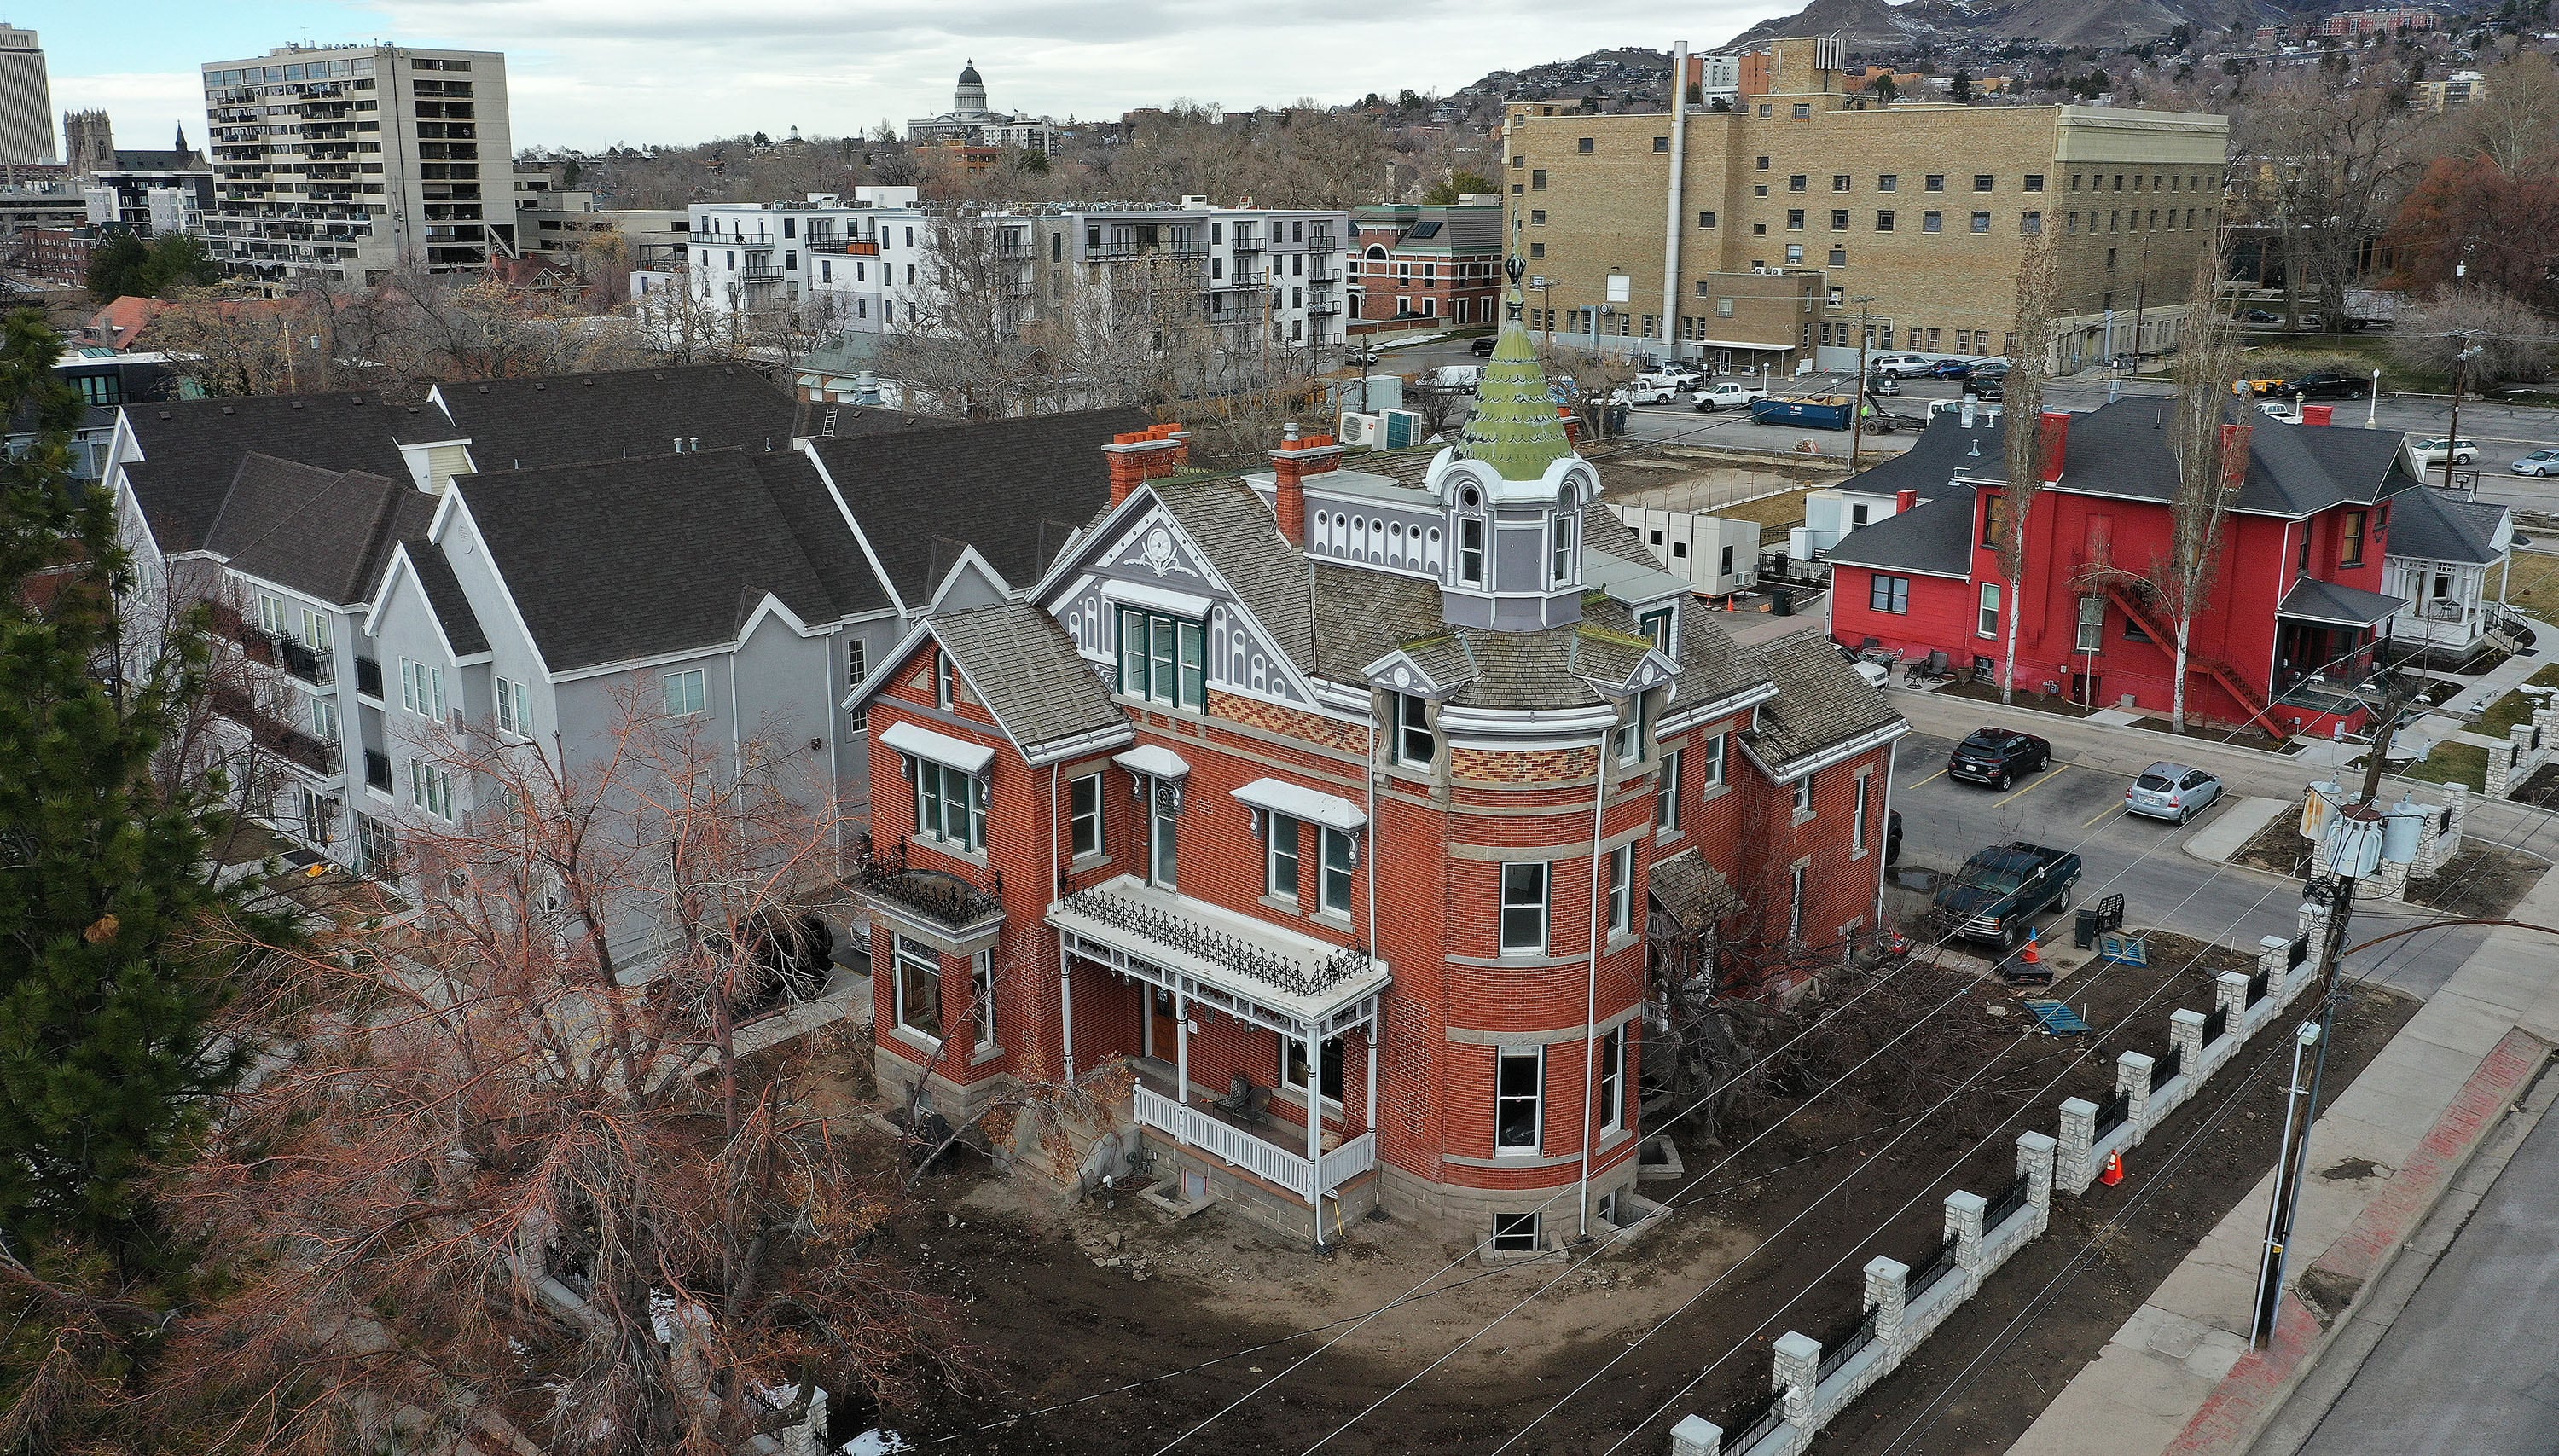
pixel 917 987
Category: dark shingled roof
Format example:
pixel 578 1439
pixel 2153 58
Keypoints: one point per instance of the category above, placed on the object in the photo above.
pixel 1228 520
pixel 324 533
pixel 2433 525
pixel 525 424
pixel 1029 672
pixel 2313 600
pixel 1025 485
pixel 444 597
pixel 1711 666
pixel 1935 536
pixel 1821 701
pixel 192 450
pixel 617 560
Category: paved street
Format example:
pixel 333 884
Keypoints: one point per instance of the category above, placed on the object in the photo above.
pixel 2472 1365
pixel 2502 431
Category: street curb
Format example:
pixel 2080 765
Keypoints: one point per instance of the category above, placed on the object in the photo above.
pixel 2255 1390
pixel 2165 740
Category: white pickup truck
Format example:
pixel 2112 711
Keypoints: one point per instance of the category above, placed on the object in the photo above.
pixel 1657 388
pixel 1727 395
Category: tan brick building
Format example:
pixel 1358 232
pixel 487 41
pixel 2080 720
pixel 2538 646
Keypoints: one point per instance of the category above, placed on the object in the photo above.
pixel 1808 197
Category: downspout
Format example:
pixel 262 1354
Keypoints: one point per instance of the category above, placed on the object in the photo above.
pixel 1065 965
pixel 1671 229
pixel 1590 1001
pixel 1377 1019
pixel 1892 755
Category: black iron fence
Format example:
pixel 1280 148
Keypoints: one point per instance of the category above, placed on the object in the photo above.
pixel 2298 955
pixel 2216 1024
pixel 1841 1345
pixel 2112 1115
pixel 1752 1422
pixel 2165 1070
pixel 2257 987
pixel 1935 1267
pixel 2006 1205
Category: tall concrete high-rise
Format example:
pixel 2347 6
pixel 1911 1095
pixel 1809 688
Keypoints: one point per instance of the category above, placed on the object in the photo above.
pixel 354 162
pixel 25 99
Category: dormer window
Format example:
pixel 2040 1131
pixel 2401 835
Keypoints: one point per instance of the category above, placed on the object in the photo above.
pixel 1656 625
pixel 1562 572
pixel 1163 658
pixel 1410 740
pixel 1636 731
pixel 1471 550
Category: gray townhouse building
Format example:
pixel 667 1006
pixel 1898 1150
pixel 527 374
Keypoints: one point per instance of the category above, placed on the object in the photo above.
pixel 517 558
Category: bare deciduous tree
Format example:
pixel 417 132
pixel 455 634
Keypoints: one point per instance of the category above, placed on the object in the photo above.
pixel 2028 364
pixel 2208 462
pixel 512 1180
pixel 2332 153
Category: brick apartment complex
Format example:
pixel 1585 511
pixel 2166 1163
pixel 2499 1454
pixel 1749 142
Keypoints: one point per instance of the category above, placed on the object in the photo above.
pixel 1369 773
pixel 1416 265
pixel 1806 198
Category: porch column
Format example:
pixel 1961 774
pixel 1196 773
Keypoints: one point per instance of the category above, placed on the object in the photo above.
pixel 1181 1050
pixel 1373 1029
pixel 1315 1130
pixel 1066 1002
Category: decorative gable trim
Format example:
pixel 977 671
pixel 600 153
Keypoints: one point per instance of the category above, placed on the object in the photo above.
pixel 1398 671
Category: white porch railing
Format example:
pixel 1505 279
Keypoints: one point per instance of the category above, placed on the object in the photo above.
pixel 1268 1161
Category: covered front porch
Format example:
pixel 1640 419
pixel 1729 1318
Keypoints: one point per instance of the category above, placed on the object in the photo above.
pixel 1201 998
pixel 2326 638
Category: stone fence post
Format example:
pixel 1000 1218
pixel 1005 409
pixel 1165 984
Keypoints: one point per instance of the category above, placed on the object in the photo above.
pixel 1964 1215
pixel 2036 1154
pixel 1888 1282
pixel 2133 1079
pixel 2501 768
pixel 1798 1372
pixel 1697 1436
pixel 2077 1167
pixel 2185 1034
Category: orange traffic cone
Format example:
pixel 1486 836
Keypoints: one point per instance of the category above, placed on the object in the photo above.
pixel 2114 1173
pixel 2030 954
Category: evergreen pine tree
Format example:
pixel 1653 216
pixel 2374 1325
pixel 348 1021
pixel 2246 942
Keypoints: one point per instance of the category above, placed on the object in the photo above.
pixel 106 987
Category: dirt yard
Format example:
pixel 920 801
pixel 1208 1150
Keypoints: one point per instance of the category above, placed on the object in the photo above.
pixel 1104 1330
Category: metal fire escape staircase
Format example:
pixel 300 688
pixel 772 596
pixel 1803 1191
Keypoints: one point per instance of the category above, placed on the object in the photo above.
pixel 2249 696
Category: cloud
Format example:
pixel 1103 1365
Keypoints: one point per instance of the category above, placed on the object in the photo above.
pixel 144 105
pixel 589 73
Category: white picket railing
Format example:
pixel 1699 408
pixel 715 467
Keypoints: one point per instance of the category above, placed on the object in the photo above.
pixel 1194 1127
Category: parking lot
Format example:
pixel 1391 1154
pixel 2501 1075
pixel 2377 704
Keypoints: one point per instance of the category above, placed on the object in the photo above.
pixel 2079 809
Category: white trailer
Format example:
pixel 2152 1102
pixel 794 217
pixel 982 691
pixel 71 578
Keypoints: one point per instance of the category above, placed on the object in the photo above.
pixel 1718 555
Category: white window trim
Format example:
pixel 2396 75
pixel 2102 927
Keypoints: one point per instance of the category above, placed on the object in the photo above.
pixel 668 684
pixel 1612 1080
pixel 1544 908
pixel 1098 817
pixel 1621 890
pixel 898 961
pixel 1282 839
pixel 1537 1099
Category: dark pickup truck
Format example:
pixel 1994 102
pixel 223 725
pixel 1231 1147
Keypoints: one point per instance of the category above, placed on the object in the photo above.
pixel 2001 887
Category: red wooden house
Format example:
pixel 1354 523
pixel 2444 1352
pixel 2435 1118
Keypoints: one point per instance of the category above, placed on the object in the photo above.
pixel 1336 799
pixel 2296 608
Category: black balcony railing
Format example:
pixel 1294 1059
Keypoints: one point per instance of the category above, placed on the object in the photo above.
pixel 735 239
pixel 293 745
pixel 858 247
pixel 1248 242
pixel 311 665
pixel 377 769
pixel 943 897
pixel 1172 930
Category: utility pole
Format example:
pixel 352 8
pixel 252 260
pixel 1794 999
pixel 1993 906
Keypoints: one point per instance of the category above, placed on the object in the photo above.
pixel 2141 295
pixel 2461 370
pixel 2316 1034
pixel 1857 416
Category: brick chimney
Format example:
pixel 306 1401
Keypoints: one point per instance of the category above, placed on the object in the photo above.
pixel 2318 414
pixel 1143 455
pixel 1572 426
pixel 1903 502
pixel 2053 441
pixel 2234 456
pixel 1299 457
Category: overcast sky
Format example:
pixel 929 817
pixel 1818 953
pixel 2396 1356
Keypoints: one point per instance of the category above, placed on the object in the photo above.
pixel 591 73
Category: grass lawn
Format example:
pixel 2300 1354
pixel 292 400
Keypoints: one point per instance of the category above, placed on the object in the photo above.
pixel 1781 510
pixel 2353 353
pixel 2450 763
pixel 2534 586
pixel 2514 707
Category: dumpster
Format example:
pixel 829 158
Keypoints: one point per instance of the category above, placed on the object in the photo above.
pixel 1812 412
pixel 1781 600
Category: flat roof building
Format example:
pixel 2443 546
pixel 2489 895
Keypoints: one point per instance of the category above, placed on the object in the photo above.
pixel 1807 205
pixel 25 99
pixel 353 161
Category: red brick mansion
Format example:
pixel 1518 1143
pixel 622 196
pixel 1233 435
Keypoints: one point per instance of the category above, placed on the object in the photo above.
pixel 1338 798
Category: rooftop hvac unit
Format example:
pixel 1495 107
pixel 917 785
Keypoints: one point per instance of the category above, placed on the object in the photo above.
pixel 1362 429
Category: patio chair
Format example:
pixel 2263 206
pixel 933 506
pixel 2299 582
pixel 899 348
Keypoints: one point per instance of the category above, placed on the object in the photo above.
pixel 1246 1103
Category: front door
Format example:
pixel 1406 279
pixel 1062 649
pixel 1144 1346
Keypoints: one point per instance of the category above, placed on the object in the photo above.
pixel 1159 1024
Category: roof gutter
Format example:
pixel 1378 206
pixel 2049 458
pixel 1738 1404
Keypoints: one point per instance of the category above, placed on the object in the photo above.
pixel 1081 742
pixel 1749 698
pixel 1840 753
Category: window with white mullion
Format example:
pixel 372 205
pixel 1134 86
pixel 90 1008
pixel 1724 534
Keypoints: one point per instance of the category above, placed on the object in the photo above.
pixel 1410 737
pixel 951 806
pixel 1523 908
pixel 1621 890
pixel 1338 861
pixel 1519 1099
pixel 1612 1079
pixel 1084 810
pixel 1281 880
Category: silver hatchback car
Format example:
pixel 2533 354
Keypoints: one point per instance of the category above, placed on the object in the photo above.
pixel 2171 792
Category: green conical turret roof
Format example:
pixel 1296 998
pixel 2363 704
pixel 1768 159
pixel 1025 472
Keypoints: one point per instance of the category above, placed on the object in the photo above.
pixel 1515 428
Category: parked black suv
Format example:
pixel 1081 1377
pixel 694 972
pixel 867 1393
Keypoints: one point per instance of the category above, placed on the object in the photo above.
pixel 1996 757
pixel 2329 384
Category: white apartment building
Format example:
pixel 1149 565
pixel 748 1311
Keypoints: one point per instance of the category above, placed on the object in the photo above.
pixel 869 266
pixel 352 161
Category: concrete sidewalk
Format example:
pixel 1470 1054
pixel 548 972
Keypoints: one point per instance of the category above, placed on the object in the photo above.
pixel 2178 1376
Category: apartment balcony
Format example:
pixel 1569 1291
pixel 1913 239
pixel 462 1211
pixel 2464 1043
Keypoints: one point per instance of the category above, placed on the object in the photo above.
pixel 733 239
pixel 859 247
pixel 1247 242
pixel 941 901
pixel 320 757
pixel 760 275
pixel 1318 275
pixel 1121 252
pixel 1322 308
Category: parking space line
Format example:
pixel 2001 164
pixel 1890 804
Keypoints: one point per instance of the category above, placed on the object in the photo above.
pixel 2111 808
pixel 2055 772
pixel 1941 774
